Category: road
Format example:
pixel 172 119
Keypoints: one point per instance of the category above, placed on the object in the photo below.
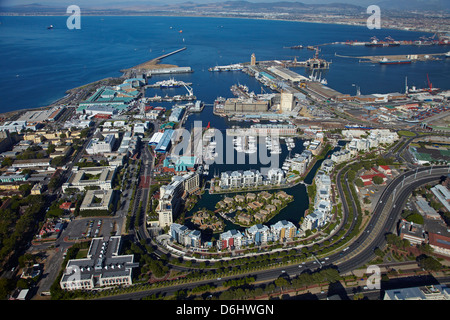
pixel 360 251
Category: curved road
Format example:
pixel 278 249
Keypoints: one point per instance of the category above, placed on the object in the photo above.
pixel 383 221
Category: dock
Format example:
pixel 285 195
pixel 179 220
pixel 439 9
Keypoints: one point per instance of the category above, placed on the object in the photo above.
pixel 412 57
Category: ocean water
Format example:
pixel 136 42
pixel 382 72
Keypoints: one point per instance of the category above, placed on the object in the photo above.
pixel 37 65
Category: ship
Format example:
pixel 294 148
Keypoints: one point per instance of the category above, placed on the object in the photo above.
pixel 447 55
pixel 295 47
pixel 50 27
pixel 231 67
pixel 171 83
pixel 374 44
pixel 400 61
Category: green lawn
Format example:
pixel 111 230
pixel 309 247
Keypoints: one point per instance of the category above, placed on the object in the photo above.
pixel 406 133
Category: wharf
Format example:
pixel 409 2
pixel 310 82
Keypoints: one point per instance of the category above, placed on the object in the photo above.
pixel 412 57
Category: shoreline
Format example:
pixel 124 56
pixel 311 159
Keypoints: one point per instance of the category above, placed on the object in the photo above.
pixel 2 14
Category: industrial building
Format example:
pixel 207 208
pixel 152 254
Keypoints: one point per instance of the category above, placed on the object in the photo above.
pixel 164 142
pixel 176 114
pixel 245 106
pixel 287 74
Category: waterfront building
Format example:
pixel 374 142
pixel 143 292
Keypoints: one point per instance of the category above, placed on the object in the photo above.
pixel 235 105
pixel 242 179
pixel 275 176
pixel 184 236
pixel 287 103
pixel 176 114
pixel 170 198
pixel 259 234
pixel 232 239
pixel 342 156
pixel 283 230
pixel 103 267
pixel 314 220
pixel 113 97
pixel 287 74
pixel 179 165
pixel 191 182
pixel 169 201
pixel 273 129
pixel 322 203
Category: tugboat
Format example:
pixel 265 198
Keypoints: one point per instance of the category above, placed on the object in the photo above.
pixel 50 27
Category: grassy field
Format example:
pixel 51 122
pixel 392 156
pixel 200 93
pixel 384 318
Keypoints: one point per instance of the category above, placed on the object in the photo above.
pixel 406 133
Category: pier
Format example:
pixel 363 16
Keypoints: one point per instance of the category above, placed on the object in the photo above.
pixel 412 57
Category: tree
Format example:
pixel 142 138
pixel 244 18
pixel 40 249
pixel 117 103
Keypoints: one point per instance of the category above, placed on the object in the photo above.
pixel 415 217
pixel 377 180
pixel 7 162
pixel 428 263
pixel 359 183
pixel 25 189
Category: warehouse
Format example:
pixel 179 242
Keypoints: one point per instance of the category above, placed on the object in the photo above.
pixel 164 144
pixel 245 106
pixel 287 74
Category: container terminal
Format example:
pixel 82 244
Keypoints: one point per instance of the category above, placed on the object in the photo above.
pixel 437 39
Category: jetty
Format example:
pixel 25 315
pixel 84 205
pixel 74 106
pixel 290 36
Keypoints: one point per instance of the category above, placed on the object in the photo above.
pixel 153 64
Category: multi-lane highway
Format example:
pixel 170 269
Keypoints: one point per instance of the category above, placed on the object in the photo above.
pixel 359 251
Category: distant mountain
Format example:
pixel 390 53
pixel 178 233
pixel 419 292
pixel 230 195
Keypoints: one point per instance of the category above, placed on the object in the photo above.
pixel 261 6
pixel 415 5
pixel 32 8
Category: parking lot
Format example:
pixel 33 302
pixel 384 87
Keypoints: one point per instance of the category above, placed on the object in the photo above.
pixel 85 228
